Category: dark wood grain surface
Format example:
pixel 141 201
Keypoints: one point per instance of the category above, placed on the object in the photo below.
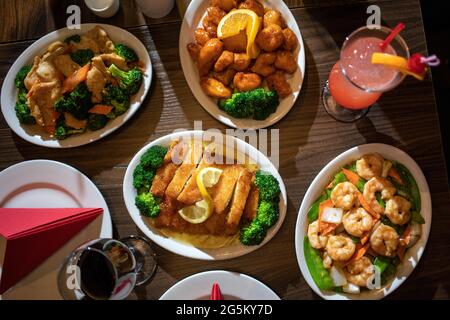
pixel 309 138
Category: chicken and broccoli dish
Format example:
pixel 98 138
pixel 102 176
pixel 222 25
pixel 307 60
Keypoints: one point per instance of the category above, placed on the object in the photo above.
pixel 243 53
pixel 79 83
pixel 362 225
pixel 189 189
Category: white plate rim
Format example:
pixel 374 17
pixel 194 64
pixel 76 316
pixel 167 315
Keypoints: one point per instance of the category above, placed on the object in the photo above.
pixel 192 78
pixel 215 276
pixel 129 194
pixel 106 229
pixel 9 92
pixel 317 186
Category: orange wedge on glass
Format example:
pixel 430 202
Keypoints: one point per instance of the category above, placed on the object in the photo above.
pixel 236 21
pixel 396 62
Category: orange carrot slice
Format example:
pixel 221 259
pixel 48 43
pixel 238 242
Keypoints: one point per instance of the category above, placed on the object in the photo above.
pixel 351 176
pixel 401 253
pixel 394 175
pixel 360 251
pixel 367 207
pixel 406 236
pixel 101 109
pixel 75 78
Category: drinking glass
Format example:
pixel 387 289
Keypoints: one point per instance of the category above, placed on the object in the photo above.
pixel 354 83
pixel 106 269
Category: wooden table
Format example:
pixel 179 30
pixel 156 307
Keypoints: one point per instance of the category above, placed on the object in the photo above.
pixel 309 138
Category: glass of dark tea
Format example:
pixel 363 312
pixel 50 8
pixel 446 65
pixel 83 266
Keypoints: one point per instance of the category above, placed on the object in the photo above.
pixel 106 269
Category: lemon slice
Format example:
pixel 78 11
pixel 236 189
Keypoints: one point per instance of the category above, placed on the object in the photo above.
pixel 209 176
pixel 197 213
pixel 236 21
pixel 396 62
pixel 202 210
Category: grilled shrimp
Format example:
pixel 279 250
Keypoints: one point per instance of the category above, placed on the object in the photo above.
pixel 340 247
pixel 397 210
pixel 357 221
pixel 316 240
pixel 375 185
pixel 345 196
pixel 359 272
pixel 384 240
pixel 369 166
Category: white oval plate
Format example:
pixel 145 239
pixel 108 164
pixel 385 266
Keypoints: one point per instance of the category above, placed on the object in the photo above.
pixel 34 133
pixel 233 285
pixel 228 252
pixel 413 255
pixel 51 184
pixel 192 20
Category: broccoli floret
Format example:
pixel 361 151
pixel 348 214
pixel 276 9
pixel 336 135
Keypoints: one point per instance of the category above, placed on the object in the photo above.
pixel 147 205
pixel 153 158
pixel 117 98
pixel 82 56
pixel 62 131
pixel 268 213
pixel 257 104
pixel 75 38
pixel 96 121
pixel 126 52
pixel 130 81
pixel 253 234
pixel 77 102
pixel 142 179
pixel 22 110
pixel 268 186
pixel 20 77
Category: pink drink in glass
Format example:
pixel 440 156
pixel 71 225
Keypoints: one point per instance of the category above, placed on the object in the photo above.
pixel 363 82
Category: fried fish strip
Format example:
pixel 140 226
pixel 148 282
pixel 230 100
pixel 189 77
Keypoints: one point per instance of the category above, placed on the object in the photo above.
pixel 223 190
pixel 251 207
pixel 185 170
pixel 240 198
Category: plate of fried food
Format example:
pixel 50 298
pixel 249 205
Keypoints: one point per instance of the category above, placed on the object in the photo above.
pixel 363 224
pixel 244 61
pixel 204 197
pixel 73 87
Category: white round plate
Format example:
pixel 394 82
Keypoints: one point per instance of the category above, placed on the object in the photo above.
pixel 51 184
pixel 413 255
pixel 233 285
pixel 192 20
pixel 228 252
pixel 34 133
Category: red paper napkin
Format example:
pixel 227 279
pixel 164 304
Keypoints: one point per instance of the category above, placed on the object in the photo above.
pixel 32 235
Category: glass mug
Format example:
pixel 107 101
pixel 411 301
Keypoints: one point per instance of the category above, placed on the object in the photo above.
pixel 106 269
pixel 354 83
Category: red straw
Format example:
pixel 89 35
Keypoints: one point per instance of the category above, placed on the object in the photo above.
pixel 215 292
pixel 391 36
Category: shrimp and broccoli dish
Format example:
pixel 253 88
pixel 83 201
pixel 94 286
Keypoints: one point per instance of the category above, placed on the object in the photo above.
pixel 193 193
pixel 78 84
pixel 243 53
pixel 362 225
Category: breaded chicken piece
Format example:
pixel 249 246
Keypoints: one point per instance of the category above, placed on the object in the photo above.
pixel 166 172
pixel 239 198
pixel 251 207
pixel 264 64
pixel 225 5
pixel 241 61
pixel 223 191
pixel 277 81
pixel 246 81
pixel 273 17
pixel 224 61
pixel 270 38
pixel 226 77
pixel 253 5
pixel 185 170
pixel 201 36
pixel 208 55
pixel 286 61
pixel 194 50
pixel 290 40
pixel 214 88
